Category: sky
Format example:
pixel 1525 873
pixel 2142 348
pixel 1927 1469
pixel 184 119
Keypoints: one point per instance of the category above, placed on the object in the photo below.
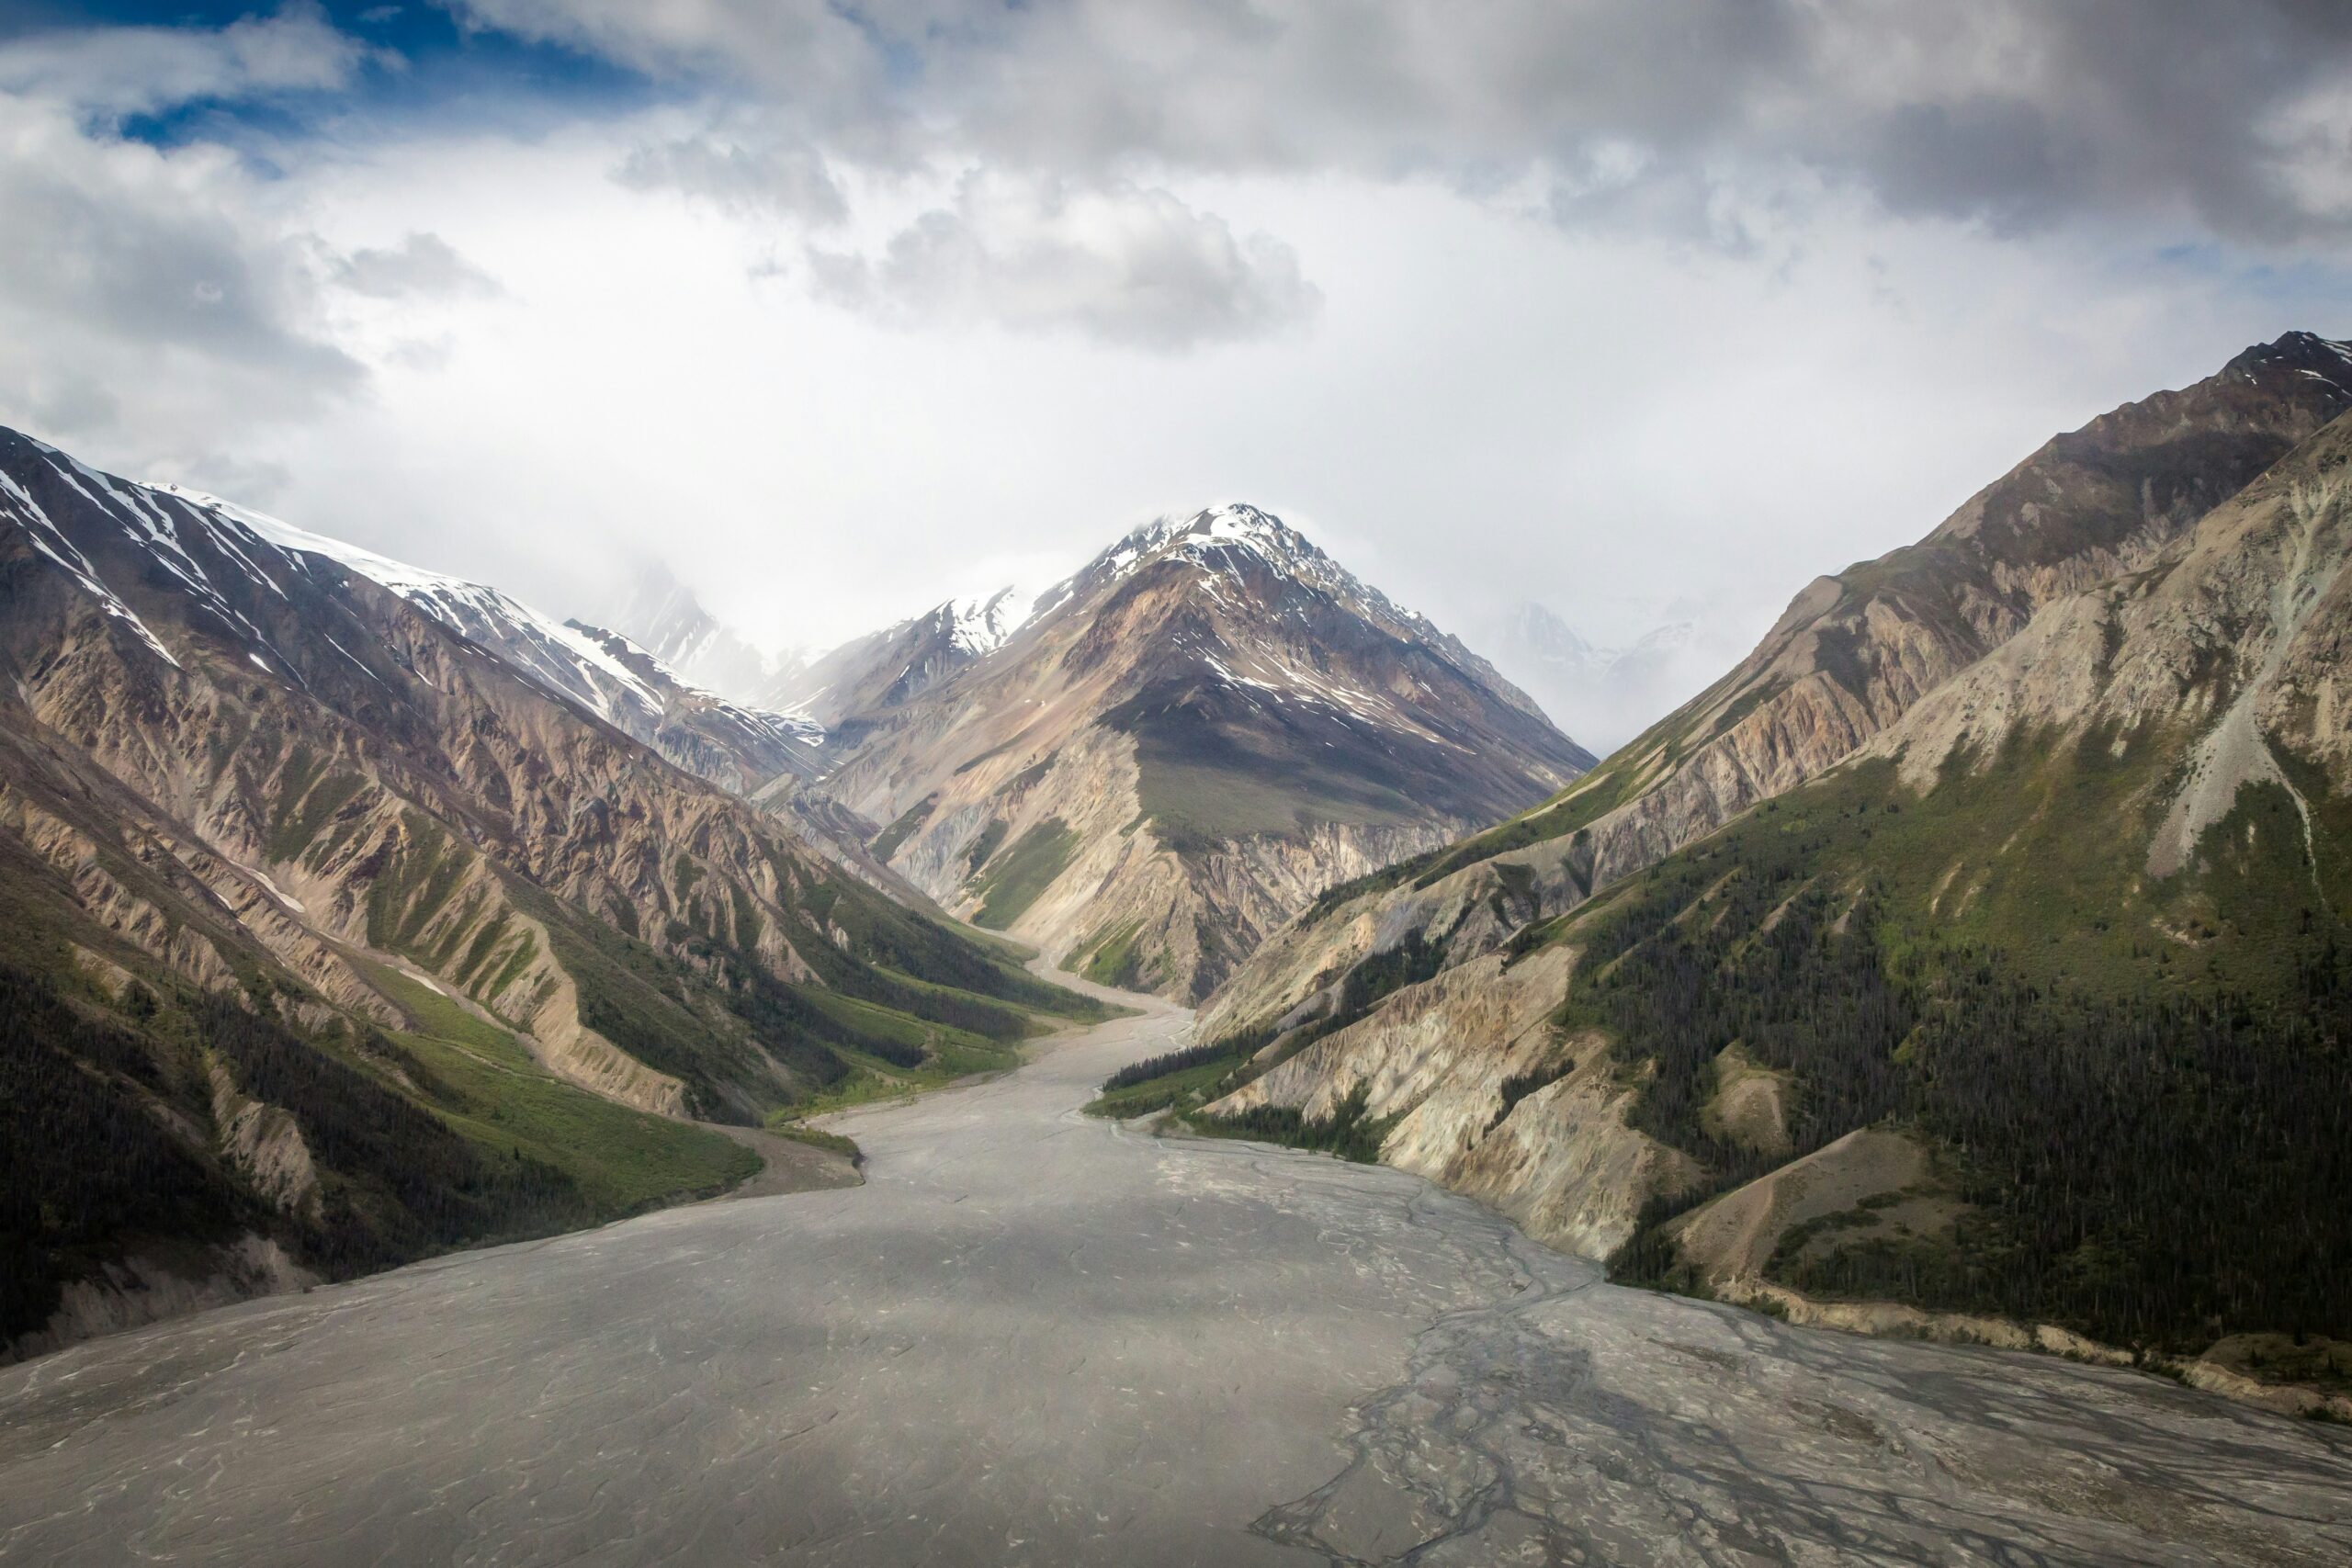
pixel 1647 310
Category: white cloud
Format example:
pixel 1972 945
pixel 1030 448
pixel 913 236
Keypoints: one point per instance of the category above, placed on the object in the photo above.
pixel 1603 304
pixel 164 306
pixel 2309 139
pixel 1487 409
pixel 420 265
pixel 123 70
pixel 759 173
pixel 149 292
pixel 2019 113
pixel 1121 264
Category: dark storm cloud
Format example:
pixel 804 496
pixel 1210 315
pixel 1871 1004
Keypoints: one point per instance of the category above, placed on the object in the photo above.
pixel 2233 116
pixel 145 288
pixel 120 261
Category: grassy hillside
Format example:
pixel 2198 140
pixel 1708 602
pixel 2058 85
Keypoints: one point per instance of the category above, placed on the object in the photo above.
pixel 2134 1086
pixel 481 1081
pixel 113 1139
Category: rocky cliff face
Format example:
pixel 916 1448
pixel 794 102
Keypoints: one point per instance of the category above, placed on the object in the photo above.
pixel 1487 1095
pixel 2227 652
pixel 1184 744
pixel 1852 653
pixel 237 761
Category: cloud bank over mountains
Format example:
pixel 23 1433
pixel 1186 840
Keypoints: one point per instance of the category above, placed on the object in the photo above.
pixel 831 293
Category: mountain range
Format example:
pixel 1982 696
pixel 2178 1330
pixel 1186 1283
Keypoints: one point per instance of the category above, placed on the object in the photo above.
pixel 355 910
pixel 1971 958
pixel 662 616
pixel 1971 955
pixel 350 914
pixel 846 689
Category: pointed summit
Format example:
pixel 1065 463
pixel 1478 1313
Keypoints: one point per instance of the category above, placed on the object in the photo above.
pixel 1184 743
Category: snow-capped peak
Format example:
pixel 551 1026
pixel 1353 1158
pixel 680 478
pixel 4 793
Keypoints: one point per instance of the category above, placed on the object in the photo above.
pixel 1220 542
pixel 1235 524
pixel 653 671
pixel 2324 360
pixel 982 625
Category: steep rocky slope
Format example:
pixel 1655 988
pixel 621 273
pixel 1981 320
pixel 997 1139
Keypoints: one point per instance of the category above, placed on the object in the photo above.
pixel 1182 744
pixel 738 747
pixel 1850 655
pixel 741 750
pixel 2038 1009
pixel 296 835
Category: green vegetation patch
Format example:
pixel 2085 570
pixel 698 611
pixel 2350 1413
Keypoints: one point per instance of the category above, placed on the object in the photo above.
pixel 909 824
pixel 496 1093
pixel 1010 887
pixel 486 938
pixel 1028 777
pixel 1185 1080
pixel 1348 1133
pixel 672 1019
pixel 899 1036
pixel 1117 959
pixel 1375 977
pixel 818 1138
pixel 918 966
pixel 871 1079
pixel 1583 804
pixel 991 837
pixel 2138 1082
pixel 396 1180
pixel 1185 1089
pixel 84 1164
pixel 1518 1085
pixel 414 885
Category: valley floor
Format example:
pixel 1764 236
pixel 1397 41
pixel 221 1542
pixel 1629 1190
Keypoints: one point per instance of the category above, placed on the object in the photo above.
pixel 1036 1337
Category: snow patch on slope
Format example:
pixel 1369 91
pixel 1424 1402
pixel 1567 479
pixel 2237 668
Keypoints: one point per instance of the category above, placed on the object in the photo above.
pixel 50 541
pixel 982 625
pixel 571 663
pixel 178 530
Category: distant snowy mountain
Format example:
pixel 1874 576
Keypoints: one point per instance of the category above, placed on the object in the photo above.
pixel 849 688
pixel 1606 694
pixel 738 747
pixel 662 616
pixel 983 626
